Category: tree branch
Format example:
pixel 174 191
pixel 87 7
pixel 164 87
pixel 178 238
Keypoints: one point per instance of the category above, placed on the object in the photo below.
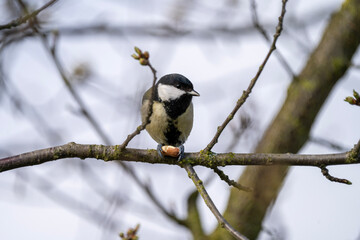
pixel 79 101
pixel 201 189
pixel 24 19
pixel 144 60
pixel 326 174
pixel 111 153
pixel 246 93
pixel 229 181
pixel 263 32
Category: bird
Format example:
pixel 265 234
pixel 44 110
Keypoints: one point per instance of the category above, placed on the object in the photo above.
pixel 171 119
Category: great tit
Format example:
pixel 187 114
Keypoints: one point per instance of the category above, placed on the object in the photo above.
pixel 171 120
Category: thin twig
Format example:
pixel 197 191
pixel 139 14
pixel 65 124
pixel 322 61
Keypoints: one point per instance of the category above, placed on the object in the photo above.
pixel 24 19
pixel 263 32
pixel 208 201
pixel 246 93
pixel 326 174
pixel 229 181
pixel 147 119
pixel 83 109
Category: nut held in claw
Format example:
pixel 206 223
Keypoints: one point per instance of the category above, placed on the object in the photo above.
pixel 170 151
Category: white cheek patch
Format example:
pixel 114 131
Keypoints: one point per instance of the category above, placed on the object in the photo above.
pixel 168 92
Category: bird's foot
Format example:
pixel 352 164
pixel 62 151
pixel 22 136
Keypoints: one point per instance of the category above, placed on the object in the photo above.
pixel 159 150
pixel 181 153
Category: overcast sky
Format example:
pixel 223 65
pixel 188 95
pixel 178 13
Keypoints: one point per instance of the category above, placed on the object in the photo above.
pixel 75 199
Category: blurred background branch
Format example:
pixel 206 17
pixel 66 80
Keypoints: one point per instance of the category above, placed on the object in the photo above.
pixel 217 45
pixel 28 16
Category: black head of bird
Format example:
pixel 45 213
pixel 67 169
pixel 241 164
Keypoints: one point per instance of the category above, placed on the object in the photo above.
pixel 171 120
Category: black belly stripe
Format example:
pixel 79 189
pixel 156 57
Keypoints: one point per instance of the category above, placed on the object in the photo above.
pixel 175 108
pixel 172 135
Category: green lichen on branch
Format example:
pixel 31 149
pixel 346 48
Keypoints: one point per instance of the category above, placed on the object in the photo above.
pixel 354 155
pixel 208 158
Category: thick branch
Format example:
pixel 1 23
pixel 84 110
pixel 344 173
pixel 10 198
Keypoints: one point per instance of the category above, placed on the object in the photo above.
pixel 110 153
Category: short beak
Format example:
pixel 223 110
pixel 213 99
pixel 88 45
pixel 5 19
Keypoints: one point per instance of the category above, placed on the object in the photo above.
pixel 193 93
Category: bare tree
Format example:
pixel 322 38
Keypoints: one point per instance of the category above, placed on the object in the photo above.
pixel 253 194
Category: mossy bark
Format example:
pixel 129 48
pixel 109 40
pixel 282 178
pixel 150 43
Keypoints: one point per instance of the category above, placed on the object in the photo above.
pixel 290 129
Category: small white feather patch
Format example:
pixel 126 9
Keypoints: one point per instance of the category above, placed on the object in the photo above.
pixel 168 92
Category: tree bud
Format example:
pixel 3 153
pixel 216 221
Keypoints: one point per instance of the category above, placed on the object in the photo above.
pixel 143 61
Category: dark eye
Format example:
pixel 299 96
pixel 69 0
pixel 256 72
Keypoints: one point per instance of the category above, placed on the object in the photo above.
pixel 178 86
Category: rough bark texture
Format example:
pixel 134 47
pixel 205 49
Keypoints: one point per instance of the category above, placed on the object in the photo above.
pixel 290 128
